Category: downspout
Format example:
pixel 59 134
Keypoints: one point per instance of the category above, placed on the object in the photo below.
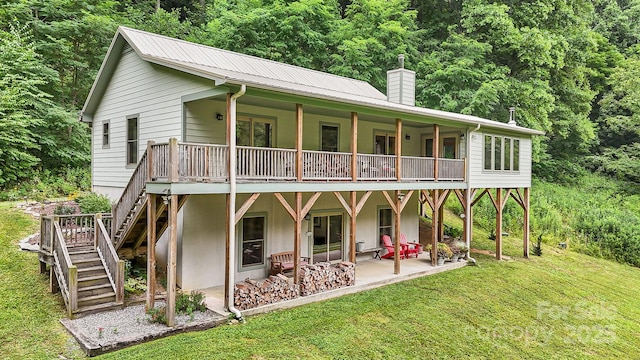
pixel 470 221
pixel 232 198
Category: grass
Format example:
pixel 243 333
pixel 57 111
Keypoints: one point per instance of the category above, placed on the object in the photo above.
pixel 29 326
pixel 560 305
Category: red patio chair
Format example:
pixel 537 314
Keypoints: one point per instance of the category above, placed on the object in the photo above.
pixel 411 248
pixel 386 241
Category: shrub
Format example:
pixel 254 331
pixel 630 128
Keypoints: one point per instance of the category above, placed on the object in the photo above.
pixel 158 315
pixel 92 203
pixel 188 303
pixel 64 210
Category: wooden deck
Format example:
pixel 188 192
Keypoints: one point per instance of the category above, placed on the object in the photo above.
pixel 188 162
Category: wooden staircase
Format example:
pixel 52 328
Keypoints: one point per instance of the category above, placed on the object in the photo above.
pixel 95 292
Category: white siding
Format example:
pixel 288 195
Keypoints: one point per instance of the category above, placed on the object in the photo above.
pixel 152 92
pixel 479 178
pixel 201 261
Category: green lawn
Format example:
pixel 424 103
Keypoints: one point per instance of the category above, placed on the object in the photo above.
pixel 561 305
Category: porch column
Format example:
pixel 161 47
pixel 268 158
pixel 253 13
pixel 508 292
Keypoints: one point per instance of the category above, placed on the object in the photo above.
pixel 227 247
pixel 396 242
pixel 468 219
pixel 171 263
pixel 299 118
pixel 435 227
pixel 499 208
pixel 353 203
pixel 441 222
pixel 398 149
pixel 436 150
pixel 525 232
pixel 354 146
pixel 296 236
pixel 353 195
pixel 151 250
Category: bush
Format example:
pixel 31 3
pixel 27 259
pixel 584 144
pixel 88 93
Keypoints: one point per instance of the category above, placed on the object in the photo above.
pixel 64 210
pixel 188 303
pixel 47 184
pixel 92 203
pixel 158 315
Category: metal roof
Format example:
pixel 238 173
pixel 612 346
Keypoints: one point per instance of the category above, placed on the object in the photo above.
pixel 230 67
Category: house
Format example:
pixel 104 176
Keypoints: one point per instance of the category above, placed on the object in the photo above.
pixel 239 157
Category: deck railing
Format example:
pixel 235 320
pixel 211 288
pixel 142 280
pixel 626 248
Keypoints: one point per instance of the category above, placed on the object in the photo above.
pixel 209 163
pixel 66 272
pixel 132 192
pixel 77 230
pixel 324 165
pixel 451 169
pixel 376 167
pixel 202 162
pixel 417 168
pixel 112 264
pixel 46 234
pixel 266 163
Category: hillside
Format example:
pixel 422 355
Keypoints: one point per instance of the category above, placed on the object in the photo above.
pixel 562 304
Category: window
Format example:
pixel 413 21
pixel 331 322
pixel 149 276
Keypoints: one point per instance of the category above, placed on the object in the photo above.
pixel 329 138
pixel 132 140
pixel 385 223
pixel 105 134
pixel 253 241
pixel 385 144
pixel 501 153
pixel 254 132
pixel 448 147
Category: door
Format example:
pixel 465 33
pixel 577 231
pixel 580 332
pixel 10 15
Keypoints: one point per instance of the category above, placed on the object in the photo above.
pixel 327 238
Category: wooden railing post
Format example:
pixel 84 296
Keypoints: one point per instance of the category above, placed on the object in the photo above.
pixel 173 160
pixel 150 159
pixel 120 282
pixel 436 150
pixel 73 290
pixel 96 229
pixel 55 219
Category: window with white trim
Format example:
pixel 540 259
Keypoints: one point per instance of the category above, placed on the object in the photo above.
pixel 252 242
pixel 105 134
pixel 132 140
pixel 501 153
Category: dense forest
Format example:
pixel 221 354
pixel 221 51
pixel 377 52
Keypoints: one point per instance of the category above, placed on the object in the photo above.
pixel 570 67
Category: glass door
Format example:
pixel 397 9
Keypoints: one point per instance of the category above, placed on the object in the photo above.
pixel 327 238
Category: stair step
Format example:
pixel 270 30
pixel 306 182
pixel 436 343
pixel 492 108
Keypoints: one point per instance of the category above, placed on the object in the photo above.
pixel 81 251
pixel 96 297
pixel 85 310
pixel 87 260
pixel 92 268
pixel 91 278
pixel 95 287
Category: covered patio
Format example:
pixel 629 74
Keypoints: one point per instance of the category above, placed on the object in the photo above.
pixel 370 274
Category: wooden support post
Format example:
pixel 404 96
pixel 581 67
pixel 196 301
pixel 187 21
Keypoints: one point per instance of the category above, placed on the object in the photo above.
pixel 352 226
pixel 171 261
pixel 441 222
pixel 151 250
pixel 396 242
pixel 173 160
pixel 436 150
pixel 299 118
pixel 354 146
pixel 499 207
pixel 434 228
pixel 227 251
pixel 296 237
pixel 398 149
pixel 525 232
pixel 150 159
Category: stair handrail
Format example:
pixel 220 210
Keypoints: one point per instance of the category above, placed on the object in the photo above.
pixel 113 266
pixel 135 187
pixel 66 272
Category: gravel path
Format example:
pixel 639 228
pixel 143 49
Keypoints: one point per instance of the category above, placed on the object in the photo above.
pixel 119 328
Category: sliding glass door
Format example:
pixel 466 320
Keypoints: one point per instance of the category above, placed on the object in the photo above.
pixel 327 238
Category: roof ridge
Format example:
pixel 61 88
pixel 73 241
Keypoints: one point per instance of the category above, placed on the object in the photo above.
pixel 246 55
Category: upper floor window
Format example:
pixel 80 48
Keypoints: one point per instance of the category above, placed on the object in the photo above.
pixel 329 137
pixel 385 143
pixel 132 140
pixel 501 153
pixel 254 132
pixel 448 147
pixel 105 134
